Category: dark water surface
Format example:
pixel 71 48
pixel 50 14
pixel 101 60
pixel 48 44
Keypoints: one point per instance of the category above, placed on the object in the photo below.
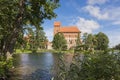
pixel 36 66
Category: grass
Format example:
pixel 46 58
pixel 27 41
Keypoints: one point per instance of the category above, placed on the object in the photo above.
pixel 19 51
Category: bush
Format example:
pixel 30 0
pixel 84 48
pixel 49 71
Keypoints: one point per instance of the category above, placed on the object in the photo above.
pixel 100 66
pixel 5 65
pixel 97 66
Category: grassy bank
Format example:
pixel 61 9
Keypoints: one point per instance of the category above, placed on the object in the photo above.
pixel 19 51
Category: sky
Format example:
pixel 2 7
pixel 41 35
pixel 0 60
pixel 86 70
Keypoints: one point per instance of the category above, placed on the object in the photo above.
pixel 91 16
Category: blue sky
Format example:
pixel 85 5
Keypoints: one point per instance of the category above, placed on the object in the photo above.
pixel 91 16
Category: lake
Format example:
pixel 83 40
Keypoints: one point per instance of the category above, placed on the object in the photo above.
pixel 37 66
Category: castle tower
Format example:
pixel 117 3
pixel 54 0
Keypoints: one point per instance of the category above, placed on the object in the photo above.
pixel 56 27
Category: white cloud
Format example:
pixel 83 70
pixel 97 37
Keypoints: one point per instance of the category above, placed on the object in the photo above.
pixel 96 12
pixel 114 38
pixel 86 25
pixel 116 23
pixel 92 2
pixel 108 13
pixel 114 13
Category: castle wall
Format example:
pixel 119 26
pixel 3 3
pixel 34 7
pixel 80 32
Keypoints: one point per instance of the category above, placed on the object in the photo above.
pixel 70 37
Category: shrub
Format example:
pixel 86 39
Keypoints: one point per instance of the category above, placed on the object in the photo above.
pixel 5 65
pixel 97 66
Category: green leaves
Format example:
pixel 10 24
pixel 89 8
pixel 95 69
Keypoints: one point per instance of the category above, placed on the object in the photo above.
pixel 102 41
pixel 15 14
pixel 98 41
pixel 59 42
pixel 5 65
pixel 98 66
pixel 117 47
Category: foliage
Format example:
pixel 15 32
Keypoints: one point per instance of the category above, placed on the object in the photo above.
pixel 16 15
pixel 78 41
pixel 97 66
pixel 5 65
pixel 117 47
pixel 59 42
pixel 84 38
pixel 41 39
pixel 36 39
pixel 100 66
pixel 98 41
pixel 61 69
pixel 89 42
pixel 102 41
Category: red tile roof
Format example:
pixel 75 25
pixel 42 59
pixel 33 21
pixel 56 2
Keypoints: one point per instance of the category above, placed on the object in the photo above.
pixel 57 24
pixel 69 29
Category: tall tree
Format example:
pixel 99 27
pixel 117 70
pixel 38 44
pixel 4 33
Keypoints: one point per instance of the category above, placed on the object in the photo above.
pixel 59 42
pixel 42 39
pixel 14 14
pixel 36 39
pixel 117 47
pixel 89 41
pixel 84 38
pixel 102 41
pixel 78 41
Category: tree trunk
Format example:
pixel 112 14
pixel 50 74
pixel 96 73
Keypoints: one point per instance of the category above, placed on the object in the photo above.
pixel 11 39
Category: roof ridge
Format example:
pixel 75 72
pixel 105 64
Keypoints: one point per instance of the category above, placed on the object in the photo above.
pixel 68 26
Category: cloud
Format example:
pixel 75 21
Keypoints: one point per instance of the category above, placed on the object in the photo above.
pixel 116 23
pixel 114 38
pixel 102 13
pixel 108 13
pixel 93 2
pixel 86 25
pixel 114 13
pixel 96 12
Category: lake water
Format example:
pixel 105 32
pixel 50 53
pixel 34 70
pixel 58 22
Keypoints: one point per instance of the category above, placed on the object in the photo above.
pixel 36 66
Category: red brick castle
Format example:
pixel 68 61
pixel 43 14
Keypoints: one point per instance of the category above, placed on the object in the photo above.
pixel 70 33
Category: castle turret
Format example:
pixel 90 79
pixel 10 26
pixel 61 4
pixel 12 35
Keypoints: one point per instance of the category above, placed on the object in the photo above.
pixel 56 27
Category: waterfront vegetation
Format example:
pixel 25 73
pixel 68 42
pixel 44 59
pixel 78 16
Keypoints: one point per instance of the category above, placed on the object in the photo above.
pixel 92 59
pixel 88 62
pixel 19 51
pixel 19 17
pixel 5 66
pixel 100 65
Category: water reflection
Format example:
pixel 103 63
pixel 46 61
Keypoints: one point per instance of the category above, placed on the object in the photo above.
pixel 38 66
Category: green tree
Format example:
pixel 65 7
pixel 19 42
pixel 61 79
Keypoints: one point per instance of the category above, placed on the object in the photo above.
pixel 117 47
pixel 100 66
pixel 78 41
pixel 59 42
pixel 37 39
pixel 42 39
pixel 97 66
pixel 84 38
pixel 102 41
pixel 15 14
pixel 89 41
